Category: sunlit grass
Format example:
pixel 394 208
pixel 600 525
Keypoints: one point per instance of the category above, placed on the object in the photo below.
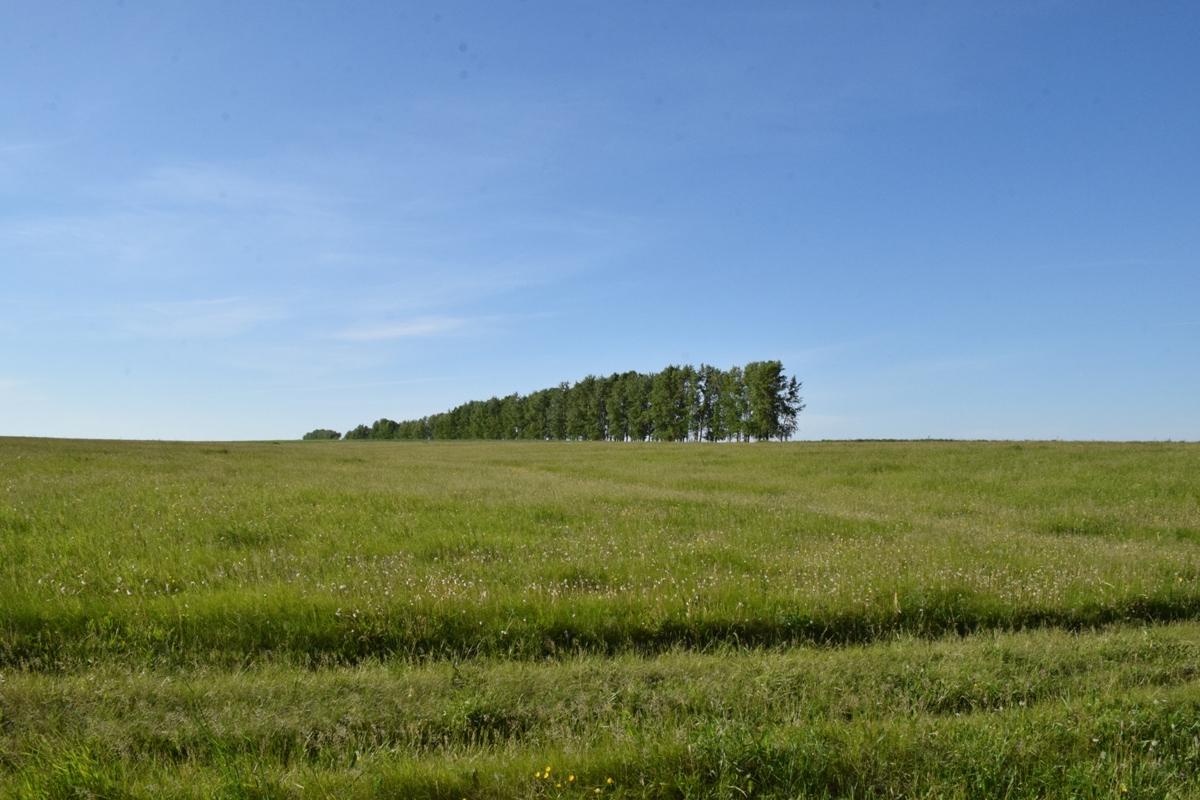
pixel 374 619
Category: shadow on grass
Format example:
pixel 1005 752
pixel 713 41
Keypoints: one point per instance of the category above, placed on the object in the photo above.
pixel 315 633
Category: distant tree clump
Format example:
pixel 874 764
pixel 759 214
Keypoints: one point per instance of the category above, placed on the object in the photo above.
pixel 322 433
pixel 756 402
pixel 360 432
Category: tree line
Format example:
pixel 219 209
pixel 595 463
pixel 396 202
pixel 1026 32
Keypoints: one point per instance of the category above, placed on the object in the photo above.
pixel 680 403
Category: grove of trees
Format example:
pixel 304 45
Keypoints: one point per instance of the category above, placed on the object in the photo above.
pixel 756 402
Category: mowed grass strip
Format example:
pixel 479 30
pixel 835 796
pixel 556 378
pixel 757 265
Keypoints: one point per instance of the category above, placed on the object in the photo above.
pixel 168 553
pixel 1033 714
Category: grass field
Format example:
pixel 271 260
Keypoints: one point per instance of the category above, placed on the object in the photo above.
pixel 446 620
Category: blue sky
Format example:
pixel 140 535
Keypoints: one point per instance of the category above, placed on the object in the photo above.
pixel 233 220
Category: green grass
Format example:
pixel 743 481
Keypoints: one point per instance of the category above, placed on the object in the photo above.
pixel 446 619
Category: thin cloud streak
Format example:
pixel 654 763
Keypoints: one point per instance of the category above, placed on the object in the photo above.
pixel 221 318
pixel 422 326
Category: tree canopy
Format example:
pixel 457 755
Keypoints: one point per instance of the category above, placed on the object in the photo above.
pixel 756 402
pixel 322 433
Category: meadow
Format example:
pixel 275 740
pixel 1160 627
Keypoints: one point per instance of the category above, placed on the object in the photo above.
pixel 568 619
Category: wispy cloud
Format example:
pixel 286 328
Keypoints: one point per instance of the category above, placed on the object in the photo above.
pixel 195 318
pixel 418 327
pixel 226 190
pixel 8 388
pixel 205 222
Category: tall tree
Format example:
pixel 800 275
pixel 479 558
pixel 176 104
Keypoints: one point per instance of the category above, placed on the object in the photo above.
pixel 637 405
pixel 510 417
pixel 583 405
pixel 691 402
pixel 384 429
pixel 792 405
pixel 774 401
pixel 709 378
pixel 358 432
pixel 556 414
pixel 668 405
pixel 733 404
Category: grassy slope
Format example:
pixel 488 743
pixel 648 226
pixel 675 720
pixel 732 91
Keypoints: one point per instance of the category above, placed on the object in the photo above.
pixel 162 607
